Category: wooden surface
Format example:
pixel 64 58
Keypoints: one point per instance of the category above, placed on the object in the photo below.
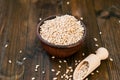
pixel 18 21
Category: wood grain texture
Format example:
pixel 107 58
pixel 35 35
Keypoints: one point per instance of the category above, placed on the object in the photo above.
pixel 18 25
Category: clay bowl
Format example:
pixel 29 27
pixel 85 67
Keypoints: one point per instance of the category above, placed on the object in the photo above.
pixel 60 51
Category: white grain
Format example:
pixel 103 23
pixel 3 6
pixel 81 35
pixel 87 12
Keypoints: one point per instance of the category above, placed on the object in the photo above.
pixel 79 61
pixel 67 71
pixel 53 57
pixel 19 63
pixel 111 59
pixel 81 18
pixel 83 54
pixel 6 45
pixel 20 51
pixel 71 76
pixel 60 61
pixel 76 61
pixel 67 77
pixel 71 70
pixel 76 64
pixel 37 66
pixel 33 78
pixel 64 61
pixel 70 67
pixel 95 39
pixel 10 61
pixel 36 69
pixel 53 70
pixel 43 72
pixel 61 76
pixel 24 58
pixel 97 71
pixel 64 74
pixel 55 78
pixel 68 2
pixel 58 72
pixel 92 73
pixel 40 19
pixel 59 66
pixel 100 33
pixel 96 45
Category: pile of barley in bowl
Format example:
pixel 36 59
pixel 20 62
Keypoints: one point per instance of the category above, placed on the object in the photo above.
pixel 62 30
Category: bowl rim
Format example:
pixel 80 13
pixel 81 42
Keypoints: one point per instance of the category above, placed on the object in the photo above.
pixel 59 46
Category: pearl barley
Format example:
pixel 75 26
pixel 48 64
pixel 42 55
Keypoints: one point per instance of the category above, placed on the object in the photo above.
pixel 62 30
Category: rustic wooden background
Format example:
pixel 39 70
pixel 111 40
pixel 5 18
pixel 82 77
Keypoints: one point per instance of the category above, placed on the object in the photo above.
pixel 20 49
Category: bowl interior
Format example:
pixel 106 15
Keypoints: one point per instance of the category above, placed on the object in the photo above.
pixel 59 46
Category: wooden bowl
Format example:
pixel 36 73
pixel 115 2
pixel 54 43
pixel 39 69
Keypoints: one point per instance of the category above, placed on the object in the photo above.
pixel 60 50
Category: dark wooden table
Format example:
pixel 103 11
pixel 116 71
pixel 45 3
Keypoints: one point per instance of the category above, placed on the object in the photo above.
pixel 20 49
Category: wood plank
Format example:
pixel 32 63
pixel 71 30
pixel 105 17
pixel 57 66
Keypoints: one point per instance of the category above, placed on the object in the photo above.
pixel 85 9
pixel 15 37
pixel 39 9
pixel 110 39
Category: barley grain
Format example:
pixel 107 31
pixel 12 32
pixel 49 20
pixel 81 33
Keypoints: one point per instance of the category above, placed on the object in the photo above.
pixel 81 18
pixel 43 72
pixel 100 33
pixel 111 59
pixel 40 19
pixel 60 61
pixel 24 58
pixel 68 3
pixel 62 30
pixel 92 73
pixel 96 45
pixel 97 71
pixel 58 72
pixel 53 70
pixel 95 39
pixel 59 66
pixel 6 45
pixel 10 61
pixel 37 66
pixel 33 78
pixel 83 54
pixel 20 51
pixel 53 57
pixel 55 78
pixel 64 61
